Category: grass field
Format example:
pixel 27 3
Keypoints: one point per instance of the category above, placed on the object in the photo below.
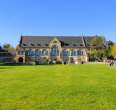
pixel 58 87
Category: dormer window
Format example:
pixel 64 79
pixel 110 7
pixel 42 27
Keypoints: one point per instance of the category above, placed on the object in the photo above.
pixel 66 44
pixel 39 44
pixel 81 44
pixel 46 44
pixel 32 44
pixel 24 44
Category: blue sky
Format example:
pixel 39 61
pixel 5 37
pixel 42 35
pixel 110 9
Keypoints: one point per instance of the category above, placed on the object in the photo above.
pixel 56 17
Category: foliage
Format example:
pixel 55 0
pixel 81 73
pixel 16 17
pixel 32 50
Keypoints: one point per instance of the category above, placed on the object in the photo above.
pixel 97 42
pixel 97 49
pixel 108 50
pixel 100 50
pixel 113 51
pixel 8 46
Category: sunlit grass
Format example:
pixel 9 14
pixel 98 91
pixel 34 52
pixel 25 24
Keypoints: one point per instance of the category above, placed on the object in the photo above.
pixel 58 87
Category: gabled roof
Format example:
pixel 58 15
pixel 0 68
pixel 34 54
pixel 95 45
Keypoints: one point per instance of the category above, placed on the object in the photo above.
pixel 66 41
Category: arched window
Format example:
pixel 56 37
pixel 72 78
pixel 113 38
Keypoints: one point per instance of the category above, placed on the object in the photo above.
pixel 54 50
pixel 71 52
pixel 74 53
pixel 79 52
pixel 27 52
pixel 36 52
pixel 44 52
pixel 65 52
pixel 31 52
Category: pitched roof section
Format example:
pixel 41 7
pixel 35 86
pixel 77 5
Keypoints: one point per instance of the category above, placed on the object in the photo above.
pixel 88 41
pixel 35 41
pixel 66 41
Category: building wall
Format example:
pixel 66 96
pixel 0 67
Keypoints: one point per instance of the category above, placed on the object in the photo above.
pixel 42 55
pixel 32 55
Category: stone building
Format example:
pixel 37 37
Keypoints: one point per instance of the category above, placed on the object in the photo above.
pixel 53 49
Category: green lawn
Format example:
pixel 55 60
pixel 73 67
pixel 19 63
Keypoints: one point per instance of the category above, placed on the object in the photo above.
pixel 58 87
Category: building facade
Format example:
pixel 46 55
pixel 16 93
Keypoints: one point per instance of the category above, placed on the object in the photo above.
pixel 53 49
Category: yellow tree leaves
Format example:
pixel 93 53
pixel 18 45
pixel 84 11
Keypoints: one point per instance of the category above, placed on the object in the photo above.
pixel 114 51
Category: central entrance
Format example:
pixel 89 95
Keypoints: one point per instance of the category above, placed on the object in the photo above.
pixel 55 49
pixel 20 60
pixel 54 52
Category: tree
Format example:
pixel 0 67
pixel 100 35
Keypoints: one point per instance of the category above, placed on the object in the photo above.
pixel 7 46
pixel 97 42
pixel 97 48
pixel 110 42
pixel 108 50
pixel 113 51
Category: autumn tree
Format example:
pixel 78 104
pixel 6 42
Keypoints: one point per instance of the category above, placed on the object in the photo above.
pixel 97 48
pixel 97 42
pixel 113 51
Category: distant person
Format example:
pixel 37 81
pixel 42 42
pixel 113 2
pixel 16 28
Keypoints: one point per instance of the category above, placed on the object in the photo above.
pixel 82 62
pixel 111 63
